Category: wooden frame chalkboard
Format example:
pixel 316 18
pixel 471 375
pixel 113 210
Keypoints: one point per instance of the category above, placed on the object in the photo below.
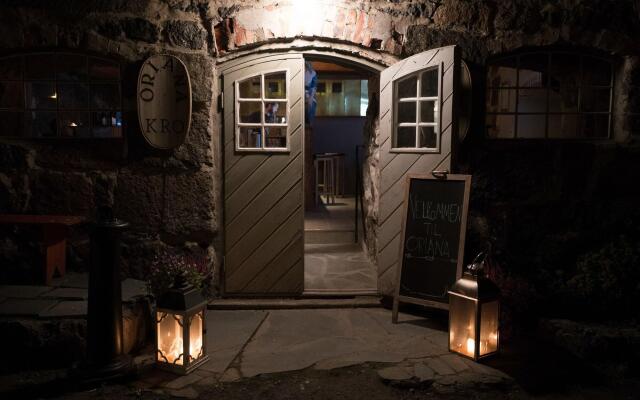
pixel 434 214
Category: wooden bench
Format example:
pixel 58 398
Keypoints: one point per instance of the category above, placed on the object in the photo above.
pixel 54 237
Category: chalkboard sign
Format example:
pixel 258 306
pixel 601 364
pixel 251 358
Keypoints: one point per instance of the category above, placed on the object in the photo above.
pixel 433 233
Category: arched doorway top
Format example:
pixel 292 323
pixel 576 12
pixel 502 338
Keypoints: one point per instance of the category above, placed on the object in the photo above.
pixel 361 57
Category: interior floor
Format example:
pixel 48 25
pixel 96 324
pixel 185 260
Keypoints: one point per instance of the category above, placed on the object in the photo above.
pixel 334 262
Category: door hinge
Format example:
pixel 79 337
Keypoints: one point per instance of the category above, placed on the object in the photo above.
pixel 221 101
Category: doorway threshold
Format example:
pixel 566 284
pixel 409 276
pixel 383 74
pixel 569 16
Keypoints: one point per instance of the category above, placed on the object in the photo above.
pixel 306 301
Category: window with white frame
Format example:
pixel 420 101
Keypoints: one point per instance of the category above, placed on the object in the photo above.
pixel 262 112
pixel 549 94
pixel 416 112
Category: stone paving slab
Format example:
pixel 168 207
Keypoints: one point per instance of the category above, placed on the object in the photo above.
pixel 25 307
pixel 67 293
pixel 70 308
pixel 72 280
pixel 23 291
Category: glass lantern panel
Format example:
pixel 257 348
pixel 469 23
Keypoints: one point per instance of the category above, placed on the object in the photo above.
pixel 462 325
pixel 170 339
pixel 488 328
pixel 196 336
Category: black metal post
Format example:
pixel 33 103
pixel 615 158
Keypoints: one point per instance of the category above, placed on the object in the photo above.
pixel 357 195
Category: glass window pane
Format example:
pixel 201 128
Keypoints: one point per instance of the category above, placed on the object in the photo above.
pixel 531 126
pixel 73 96
pixel 533 70
pixel 11 123
pixel 563 126
pixel 105 96
pixel 462 326
pixel 489 328
pixel 429 83
pixel 106 124
pixel 71 67
pixel 103 70
pixel 408 87
pixel 407 111
pixel 74 124
pixel 39 66
pixel 275 113
pixel 594 126
pixel 250 111
pixel 251 88
pixel 41 95
pixel 40 124
pixel 275 85
pixel 532 100
pixel 565 70
pixel 428 137
pixel 500 126
pixel 170 338
pixel 11 94
pixel 596 71
pixel 563 99
pixel 594 99
pixel 501 100
pixel 250 137
pixel 196 341
pixel 406 136
pixel 503 73
pixel 428 111
pixel 276 136
pixel 11 67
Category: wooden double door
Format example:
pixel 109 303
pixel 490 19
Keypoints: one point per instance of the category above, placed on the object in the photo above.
pixel 263 165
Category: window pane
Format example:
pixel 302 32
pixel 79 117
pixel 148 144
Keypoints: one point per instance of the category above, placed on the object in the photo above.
pixel 406 136
pixel 11 68
pixel 531 126
pixel 11 123
pixel 40 124
pixel 250 111
pixel 249 137
pixel 408 87
pixel 72 96
pixel 11 94
pixel 533 70
pixel 275 113
pixel 501 126
pixel 596 72
pixel 503 73
pixel 74 124
pixel 429 83
pixel 532 100
pixel 563 99
pixel 250 88
pixel 427 136
pixel 427 111
pixel 275 85
pixel 71 67
pixel 105 96
pixel 103 70
pixel 501 100
pixel 276 136
pixel 595 100
pixel 565 69
pixel 106 124
pixel 594 126
pixel 39 66
pixel 407 111
pixel 41 95
pixel 563 126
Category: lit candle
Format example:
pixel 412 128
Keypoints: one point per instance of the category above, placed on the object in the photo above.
pixel 471 346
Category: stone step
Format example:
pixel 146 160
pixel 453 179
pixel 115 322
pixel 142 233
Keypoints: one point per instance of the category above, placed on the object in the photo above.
pixel 317 236
pixel 306 302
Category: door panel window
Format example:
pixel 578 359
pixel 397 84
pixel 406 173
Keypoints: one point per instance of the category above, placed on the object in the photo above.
pixel 262 112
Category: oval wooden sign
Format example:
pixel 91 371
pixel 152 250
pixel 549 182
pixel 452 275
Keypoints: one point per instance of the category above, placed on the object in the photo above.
pixel 164 101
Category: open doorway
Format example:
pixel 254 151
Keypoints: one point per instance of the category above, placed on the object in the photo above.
pixel 335 260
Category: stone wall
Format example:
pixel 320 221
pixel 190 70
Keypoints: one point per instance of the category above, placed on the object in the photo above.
pixel 174 199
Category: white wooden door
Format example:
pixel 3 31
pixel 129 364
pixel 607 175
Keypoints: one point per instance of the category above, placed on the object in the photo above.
pixel 263 188
pixel 417 134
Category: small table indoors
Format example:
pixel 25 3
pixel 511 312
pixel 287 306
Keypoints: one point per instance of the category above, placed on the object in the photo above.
pixel 54 236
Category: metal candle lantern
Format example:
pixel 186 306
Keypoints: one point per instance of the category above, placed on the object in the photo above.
pixel 474 311
pixel 181 328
